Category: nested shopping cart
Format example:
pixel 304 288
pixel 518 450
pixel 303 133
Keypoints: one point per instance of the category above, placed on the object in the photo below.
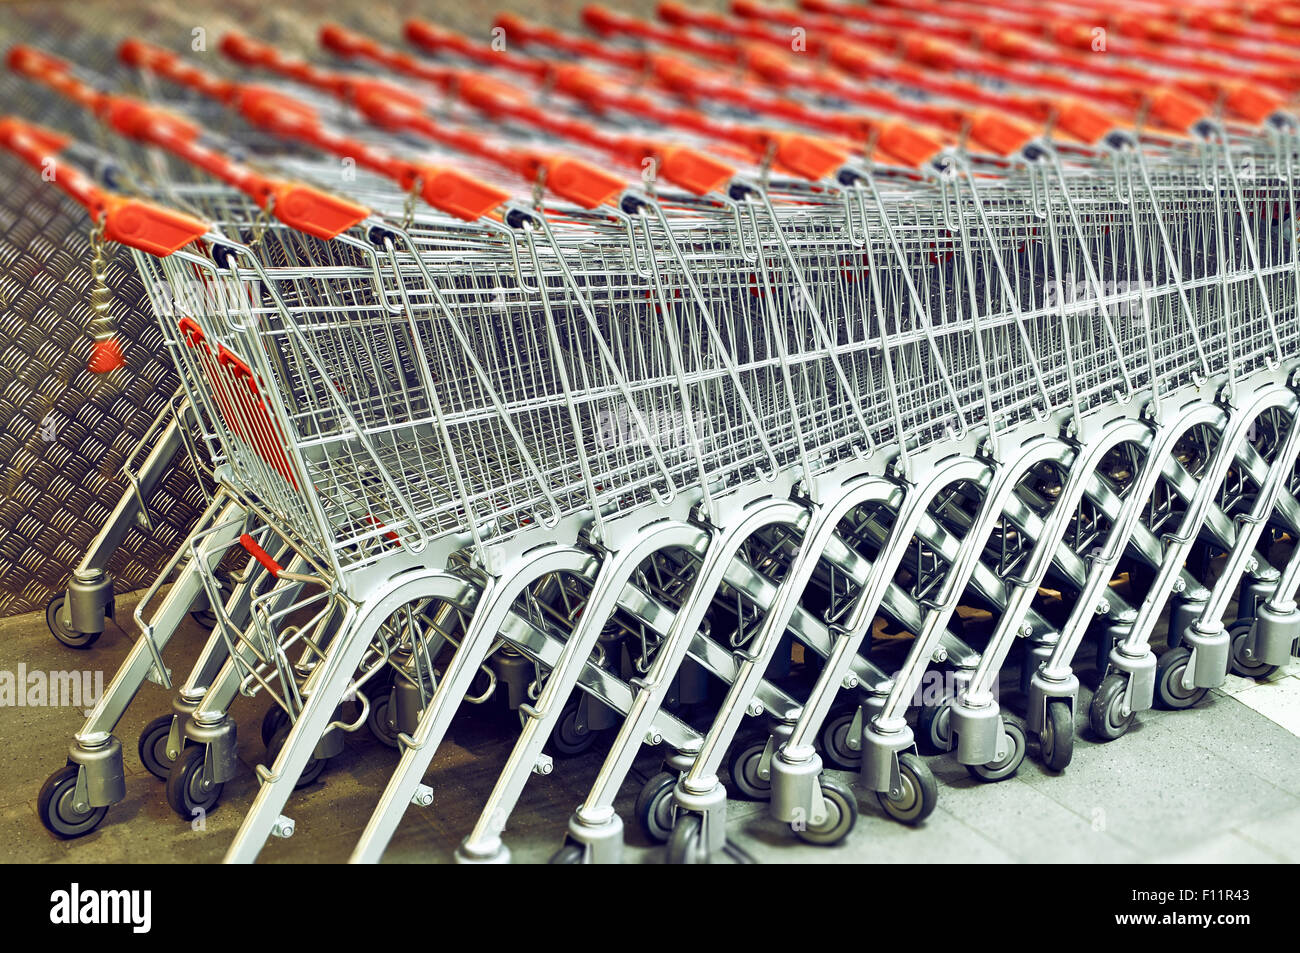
pixel 995 667
pixel 514 27
pixel 790 384
pixel 246 54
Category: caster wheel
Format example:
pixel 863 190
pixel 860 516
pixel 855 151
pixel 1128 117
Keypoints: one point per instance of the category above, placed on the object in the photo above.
pixel 833 740
pixel 56 809
pixel 1105 716
pixel 1057 737
pixel 841 815
pixel 686 845
pixel 568 854
pixel 1140 579
pixel 187 792
pixel 274 719
pixel 919 795
pixel 309 774
pixel 567 740
pixel 379 721
pixel 1008 765
pixel 153 747
pixel 61 631
pixel 1239 632
pixel 204 618
pixel 743 765
pixel 932 733
pixel 1170 693
pixel 654 807
pixel 1104 644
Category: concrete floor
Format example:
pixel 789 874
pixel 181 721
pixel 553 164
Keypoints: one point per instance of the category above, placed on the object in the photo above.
pixel 1218 783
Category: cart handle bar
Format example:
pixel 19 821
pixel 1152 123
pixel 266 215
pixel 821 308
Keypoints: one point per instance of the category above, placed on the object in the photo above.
pixel 449 190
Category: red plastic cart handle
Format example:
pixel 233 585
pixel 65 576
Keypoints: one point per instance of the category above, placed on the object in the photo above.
pixel 912 147
pixel 451 191
pixel 390 106
pixel 261 555
pixel 155 59
pixel 350 45
pixel 519 30
pixel 250 52
pixel 300 206
pixel 131 222
pixel 435 39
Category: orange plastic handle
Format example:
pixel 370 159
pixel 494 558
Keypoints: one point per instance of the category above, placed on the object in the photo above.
pixel 350 45
pixel 1173 108
pixel 690 169
pixel 608 23
pixel 131 222
pixel 250 545
pixel 161 62
pixel 605 21
pixel 250 52
pixel 1082 120
pixel 435 39
pixel 1251 103
pixel 299 206
pixel 447 189
pixel 573 179
pixel 459 194
pixel 519 30
pixel 52 72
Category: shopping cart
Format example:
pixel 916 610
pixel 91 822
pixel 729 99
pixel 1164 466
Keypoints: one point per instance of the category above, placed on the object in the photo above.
pixel 441 40
pixel 904 373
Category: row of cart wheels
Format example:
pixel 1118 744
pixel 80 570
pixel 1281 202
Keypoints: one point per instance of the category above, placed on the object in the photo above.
pixel 189 794
pixel 70 637
pixel 682 831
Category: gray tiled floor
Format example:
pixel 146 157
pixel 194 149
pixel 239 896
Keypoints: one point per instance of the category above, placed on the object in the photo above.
pixel 1216 783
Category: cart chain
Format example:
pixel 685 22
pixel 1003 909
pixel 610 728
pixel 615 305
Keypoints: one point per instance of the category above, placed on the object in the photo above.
pixel 101 326
pixel 539 187
pixel 261 221
pixel 408 205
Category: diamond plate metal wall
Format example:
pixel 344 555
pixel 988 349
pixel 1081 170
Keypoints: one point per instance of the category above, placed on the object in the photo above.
pixel 64 433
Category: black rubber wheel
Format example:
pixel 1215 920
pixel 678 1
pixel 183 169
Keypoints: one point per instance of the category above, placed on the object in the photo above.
pixel 379 720
pixel 68 636
pixel 1238 633
pixel 743 764
pixel 1057 737
pixel 309 774
pixel 1140 579
pixel 566 740
pixel 841 815
pixel 1170 693
pixel 686 845
pixel 654 807
pixel 187 793
pixel 920 792
pixel 833 740
pixel 204 618
pixel 153 747
pixel 932 733
pixel 1104 644
pixel 1008 765
pixel 568 854
pixel 274 719
pixel 56 810
pixel 1104 715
